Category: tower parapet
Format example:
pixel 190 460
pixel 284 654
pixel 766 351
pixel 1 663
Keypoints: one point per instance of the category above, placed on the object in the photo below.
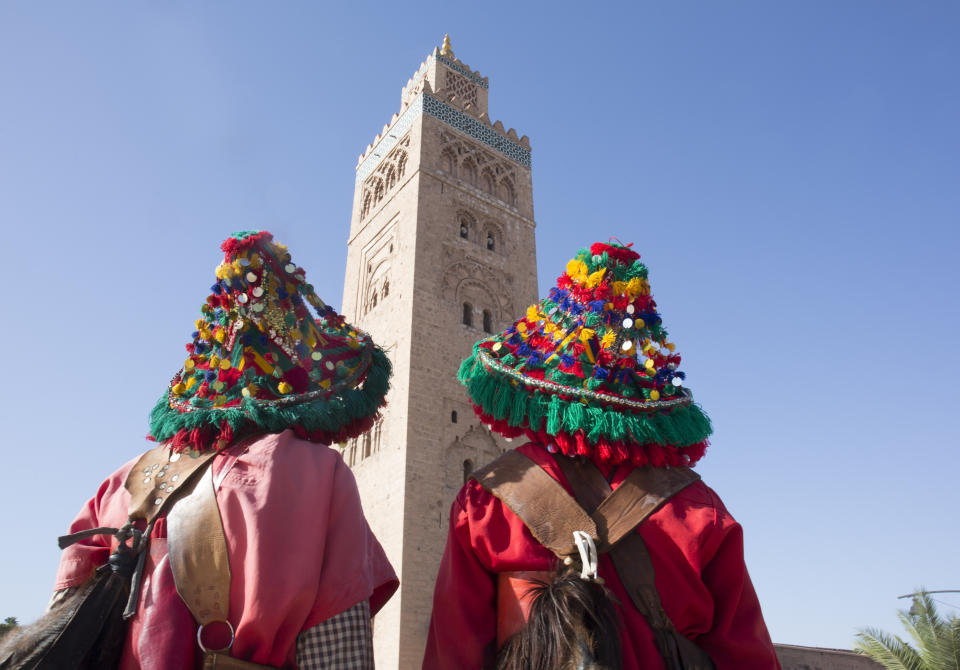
pixel 448 89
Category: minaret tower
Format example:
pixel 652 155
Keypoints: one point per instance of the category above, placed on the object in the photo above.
pixel 441 252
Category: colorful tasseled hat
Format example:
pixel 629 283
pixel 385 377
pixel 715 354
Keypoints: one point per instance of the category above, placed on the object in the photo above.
pixel 589 370
pixel 260 363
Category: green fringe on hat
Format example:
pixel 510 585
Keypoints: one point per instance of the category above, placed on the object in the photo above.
pixel 520 406
pixel 338 415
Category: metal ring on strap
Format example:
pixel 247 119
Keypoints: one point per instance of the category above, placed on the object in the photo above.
pixel 203 647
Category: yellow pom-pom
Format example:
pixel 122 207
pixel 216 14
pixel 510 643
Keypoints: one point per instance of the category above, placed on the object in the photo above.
pixel 595 278
pixel 189 364
pixel 199 323
pixel 532 313
pixel 671 346
pixel 214 362
pixel 586 334
pixel 654 394
pixel 522 327
pixel 577 270
pixel 220 335
pixel 608 338
pixel 179 389
pixel 618 287
pixel 634 287
pixel 191 382
pixel 220 400
pixel 649 363
pixel 284 387
pixel 224 364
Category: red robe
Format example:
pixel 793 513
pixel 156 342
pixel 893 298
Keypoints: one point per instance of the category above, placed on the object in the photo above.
pixel 697 552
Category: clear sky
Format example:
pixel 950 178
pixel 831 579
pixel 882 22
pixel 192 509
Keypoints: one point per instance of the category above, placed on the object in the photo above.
pixel 790 172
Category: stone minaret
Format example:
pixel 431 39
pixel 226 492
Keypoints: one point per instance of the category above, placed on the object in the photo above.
pixel 441 252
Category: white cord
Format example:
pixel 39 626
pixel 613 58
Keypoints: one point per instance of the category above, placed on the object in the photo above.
pixel 588 555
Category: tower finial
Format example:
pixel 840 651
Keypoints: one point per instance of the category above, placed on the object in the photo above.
pixel 446 49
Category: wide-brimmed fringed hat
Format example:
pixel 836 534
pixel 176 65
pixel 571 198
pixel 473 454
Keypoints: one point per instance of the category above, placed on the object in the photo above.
pixel 259 362
pixel 589 371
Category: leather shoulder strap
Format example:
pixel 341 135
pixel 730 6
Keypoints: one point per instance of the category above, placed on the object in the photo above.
pixel 157 476
pixel 641 494
pixel 197 547
pixel 538 499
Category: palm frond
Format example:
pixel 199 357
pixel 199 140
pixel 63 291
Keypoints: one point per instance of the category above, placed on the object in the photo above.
pixel 888 650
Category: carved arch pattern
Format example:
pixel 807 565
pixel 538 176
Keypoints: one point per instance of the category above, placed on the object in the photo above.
pixel 385 177
pixel 468 281
pixel 478 167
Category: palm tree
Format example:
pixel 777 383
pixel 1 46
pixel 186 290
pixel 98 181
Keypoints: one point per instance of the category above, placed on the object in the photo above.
pixel 936 640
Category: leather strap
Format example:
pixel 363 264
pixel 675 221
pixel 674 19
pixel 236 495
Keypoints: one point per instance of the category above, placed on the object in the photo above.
pixel 197 548
pixel 538 499
pixel 159 474
pixel 648 489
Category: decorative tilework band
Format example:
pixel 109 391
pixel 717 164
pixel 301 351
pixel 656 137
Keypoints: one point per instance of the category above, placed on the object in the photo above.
pixel 452 117
pixel 394 133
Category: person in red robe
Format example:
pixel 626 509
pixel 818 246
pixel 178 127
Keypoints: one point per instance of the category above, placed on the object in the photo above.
pixel 590 374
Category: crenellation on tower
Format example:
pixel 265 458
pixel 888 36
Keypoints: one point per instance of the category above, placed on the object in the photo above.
pixel 441 253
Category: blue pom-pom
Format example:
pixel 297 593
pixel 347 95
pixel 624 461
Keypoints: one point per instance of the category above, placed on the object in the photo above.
pixel 195 334
pixel 516 339
pixel 211 375
pixel 597 306
pixel 296 299
pixel 567 360
pixel 200 348
pixel 600 373
pixel 534 360
pixel 283 295
pixel 216 289
pixel 524 350
pixel 576 309
pixel 262 339
pixel 681 375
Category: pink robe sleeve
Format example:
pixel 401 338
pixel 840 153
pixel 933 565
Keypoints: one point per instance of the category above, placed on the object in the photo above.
pixel 463 625
pixel 80 560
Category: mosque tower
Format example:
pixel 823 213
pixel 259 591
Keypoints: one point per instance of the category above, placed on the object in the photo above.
pixel 441 252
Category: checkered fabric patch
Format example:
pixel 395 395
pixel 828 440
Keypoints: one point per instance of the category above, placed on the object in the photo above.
pixel 342 642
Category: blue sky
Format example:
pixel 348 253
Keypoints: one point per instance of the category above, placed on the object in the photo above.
pixel 789 172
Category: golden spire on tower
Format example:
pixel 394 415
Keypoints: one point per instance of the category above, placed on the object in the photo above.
pixel 446 49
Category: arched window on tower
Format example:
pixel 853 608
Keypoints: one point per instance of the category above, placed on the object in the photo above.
pixel 467 314
pixel 507 193
pixel 491 242
pixel 469 172
pixel 488 183
pixel 453 416
pixel 487 321
pixel 464 229
pixel 467 470
pixel 367 443
pixel 386 289
pixel 449 162
pixel 366 204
